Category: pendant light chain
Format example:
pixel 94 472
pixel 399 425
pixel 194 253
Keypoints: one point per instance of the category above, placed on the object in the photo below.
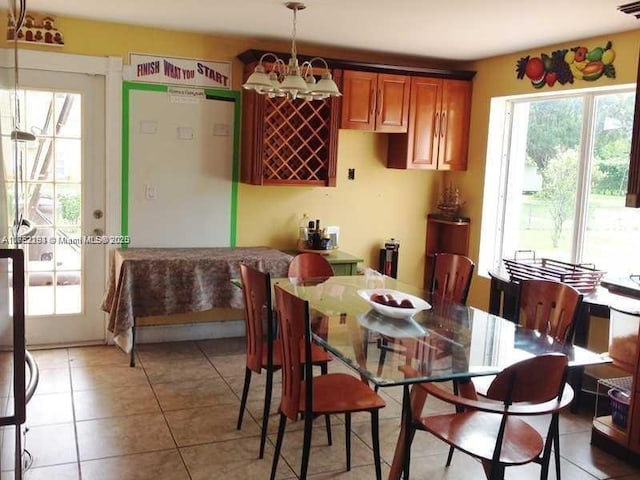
pixel 292 80
pixel 294 51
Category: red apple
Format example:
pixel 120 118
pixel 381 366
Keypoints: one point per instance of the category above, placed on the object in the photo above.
pixel 535 69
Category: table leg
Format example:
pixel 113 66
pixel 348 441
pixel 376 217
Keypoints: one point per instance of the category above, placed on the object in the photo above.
pixel 132 362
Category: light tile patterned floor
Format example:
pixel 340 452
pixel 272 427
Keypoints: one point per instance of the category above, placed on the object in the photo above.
pixel 173 417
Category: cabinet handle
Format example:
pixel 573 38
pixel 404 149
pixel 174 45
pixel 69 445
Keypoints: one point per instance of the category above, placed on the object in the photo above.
pixel 443 127
pixel 437 125
pixel 379 102
pixel 373 102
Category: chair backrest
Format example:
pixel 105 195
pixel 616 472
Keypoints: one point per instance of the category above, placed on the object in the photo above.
pixel 309 265
pixel 295 335
pixel 549 307
pixel 256 290
pixel 537 379
pixel 451 277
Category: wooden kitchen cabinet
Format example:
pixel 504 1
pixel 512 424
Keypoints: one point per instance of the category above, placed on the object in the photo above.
pixel 438 133
pixel 377 102
pixel 288 142
pixel 444 235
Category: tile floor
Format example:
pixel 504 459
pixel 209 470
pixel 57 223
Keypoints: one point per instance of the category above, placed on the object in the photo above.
pixel 173 417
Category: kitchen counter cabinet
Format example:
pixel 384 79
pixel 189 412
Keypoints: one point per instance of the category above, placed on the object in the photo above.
pixel 376 102
pixel 438 133
pixel 624 341
pixel 343 263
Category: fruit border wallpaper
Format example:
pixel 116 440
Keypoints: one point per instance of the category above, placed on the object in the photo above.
pixel 568 65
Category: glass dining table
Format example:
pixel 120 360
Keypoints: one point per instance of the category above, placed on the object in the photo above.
pixel 446 341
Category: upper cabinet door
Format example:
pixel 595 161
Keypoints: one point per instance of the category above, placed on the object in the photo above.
pixel 392 103
pixel 438 134
pixel 454 125
pixel 424 122
pixel 376 102
pixel 359 100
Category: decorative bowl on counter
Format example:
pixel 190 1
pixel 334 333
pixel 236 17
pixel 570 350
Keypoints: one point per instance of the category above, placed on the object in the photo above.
pixel 413 304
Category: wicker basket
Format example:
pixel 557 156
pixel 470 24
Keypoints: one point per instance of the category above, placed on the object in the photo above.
pixel 583 278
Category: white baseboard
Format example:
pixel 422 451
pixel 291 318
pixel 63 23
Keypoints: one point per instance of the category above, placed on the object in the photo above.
pixel 192 331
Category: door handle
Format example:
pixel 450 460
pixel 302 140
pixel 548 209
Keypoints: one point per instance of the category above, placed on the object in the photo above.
pixel 437 125
pixel 379 102
pixel 98 232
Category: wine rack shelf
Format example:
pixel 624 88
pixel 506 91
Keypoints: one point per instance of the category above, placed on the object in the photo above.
pixel 289 142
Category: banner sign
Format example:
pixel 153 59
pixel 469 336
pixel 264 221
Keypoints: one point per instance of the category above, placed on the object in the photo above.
pixel 179 71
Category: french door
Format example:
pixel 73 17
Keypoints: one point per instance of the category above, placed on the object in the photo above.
pixel 57 184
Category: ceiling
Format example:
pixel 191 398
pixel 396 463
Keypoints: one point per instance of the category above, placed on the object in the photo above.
pixel 451 29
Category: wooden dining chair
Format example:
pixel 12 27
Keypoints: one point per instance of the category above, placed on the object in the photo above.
pixel 310 265
pixel 263 351
pixel 302 393
pixel 493 429
pixel 450 281
pixel 549 307
pixel 451 277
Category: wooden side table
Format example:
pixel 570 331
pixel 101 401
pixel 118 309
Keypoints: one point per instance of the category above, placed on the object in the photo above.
pixel 343 263
pixel 444 235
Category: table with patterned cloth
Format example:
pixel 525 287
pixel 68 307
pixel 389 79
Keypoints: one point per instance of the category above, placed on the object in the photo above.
pixel 165 281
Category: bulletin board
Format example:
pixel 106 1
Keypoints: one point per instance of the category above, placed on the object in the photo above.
pixel 179 167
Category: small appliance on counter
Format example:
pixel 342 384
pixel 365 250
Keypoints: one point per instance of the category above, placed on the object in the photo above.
pixel 389 258
pixel 312 237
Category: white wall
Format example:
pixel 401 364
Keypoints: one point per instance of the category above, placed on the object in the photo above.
pixel 181 167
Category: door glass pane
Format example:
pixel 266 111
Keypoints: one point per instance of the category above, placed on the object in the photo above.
pixel 67 204
pixel 40 160
pixel 40 203
pixel 68 115
pixel 49 195
pixel 68 249
pixel 39 112
pixel 611 237
pixel 68 157
pixel 542 178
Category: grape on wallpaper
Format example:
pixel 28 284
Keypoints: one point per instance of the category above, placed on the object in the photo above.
pixel 567 65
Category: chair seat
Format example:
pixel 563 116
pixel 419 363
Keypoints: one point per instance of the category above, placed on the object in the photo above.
pixel 475 433
pixel 318 355
pixel 341 393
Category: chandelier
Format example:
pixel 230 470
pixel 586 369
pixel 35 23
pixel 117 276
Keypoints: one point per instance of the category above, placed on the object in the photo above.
pixel 292 80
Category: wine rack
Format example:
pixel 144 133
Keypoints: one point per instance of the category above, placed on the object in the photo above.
pixel 289 142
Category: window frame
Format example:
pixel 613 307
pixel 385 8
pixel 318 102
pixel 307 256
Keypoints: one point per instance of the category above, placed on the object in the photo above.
pixel 500 145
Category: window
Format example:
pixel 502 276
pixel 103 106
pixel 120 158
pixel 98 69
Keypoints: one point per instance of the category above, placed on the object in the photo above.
pixel 556 179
